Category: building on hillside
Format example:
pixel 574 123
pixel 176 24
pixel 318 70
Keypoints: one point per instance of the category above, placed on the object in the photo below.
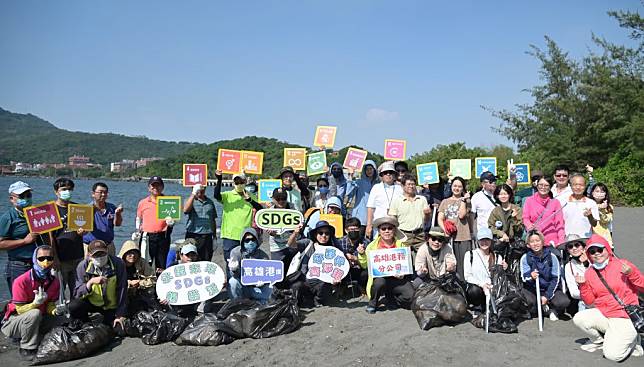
pixel 144 161
pixel 78 161
pixel 122 166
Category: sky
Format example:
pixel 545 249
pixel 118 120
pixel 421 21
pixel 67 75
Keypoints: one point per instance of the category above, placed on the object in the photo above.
pixel 205 71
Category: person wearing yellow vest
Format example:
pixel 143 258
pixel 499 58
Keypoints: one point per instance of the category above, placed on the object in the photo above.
pixel 101 286
pixel 398 288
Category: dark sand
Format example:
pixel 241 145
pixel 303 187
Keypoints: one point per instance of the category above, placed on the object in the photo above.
pixel 347 336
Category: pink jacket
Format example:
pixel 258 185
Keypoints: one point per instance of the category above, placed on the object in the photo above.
pixel 626 287
pixel 551 225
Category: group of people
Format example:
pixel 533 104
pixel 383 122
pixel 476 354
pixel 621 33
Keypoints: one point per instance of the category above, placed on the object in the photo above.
pixel 563 228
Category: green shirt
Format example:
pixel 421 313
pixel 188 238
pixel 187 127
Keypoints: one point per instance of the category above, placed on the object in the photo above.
pixel 13 226
pixel 237 215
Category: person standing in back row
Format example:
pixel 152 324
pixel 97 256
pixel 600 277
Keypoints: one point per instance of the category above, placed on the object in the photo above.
pixel 106 217
pixel 158 231
pixel 202 221
pixel 483 202
pixel 381 196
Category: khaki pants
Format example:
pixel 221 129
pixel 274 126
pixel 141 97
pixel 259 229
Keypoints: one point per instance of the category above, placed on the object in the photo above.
pixel 620 336
pixel 29 327
pixel 414 240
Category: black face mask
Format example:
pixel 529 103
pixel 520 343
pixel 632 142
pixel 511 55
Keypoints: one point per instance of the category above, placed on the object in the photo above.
pixel 353 235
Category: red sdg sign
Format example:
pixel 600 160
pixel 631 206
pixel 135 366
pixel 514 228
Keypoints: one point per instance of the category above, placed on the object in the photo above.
pixel 43 218
pixel 194 174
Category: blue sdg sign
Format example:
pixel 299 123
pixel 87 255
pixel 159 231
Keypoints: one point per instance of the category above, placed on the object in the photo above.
pixel 254 271
pixel 485 164
pixel 523 173
pixel 265 189
pixel 427 173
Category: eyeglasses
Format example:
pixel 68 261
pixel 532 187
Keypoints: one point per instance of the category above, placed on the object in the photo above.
pixel 561 175
pixel 386 228
pixel 43 258
pixel 101 192
pixel 543 186
pixel 323 233
pixel 576 244
pixel 595 250
pixel 437 239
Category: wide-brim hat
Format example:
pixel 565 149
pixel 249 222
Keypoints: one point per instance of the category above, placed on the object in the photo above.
pixel 398 234
pixel 573 238
pixel 322 224
pixel 386 167
pixel 437 232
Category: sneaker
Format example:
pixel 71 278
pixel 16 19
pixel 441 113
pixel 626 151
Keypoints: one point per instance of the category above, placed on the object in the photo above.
pixel 371 310
pixel 553 316
pixel 637 351
pixel 592 346
pixel 27 354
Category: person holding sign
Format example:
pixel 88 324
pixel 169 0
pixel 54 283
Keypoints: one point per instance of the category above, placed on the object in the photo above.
pixel 478 267
pixel 339 185
pixel 14 233
pixel 101 286
pixel 295 194
pixel 453 220
pixel 32 310
pixel 155 230
pixel 322 235
pixel 106 217
pixel 397 289
pixel 68 245
pixel 607 280
pixel 381 196
pixel 237 210
pixel 434 258
pixel 249 249
pixel 412 212
pixel 202 221
pixel 278 240
pixel 540 262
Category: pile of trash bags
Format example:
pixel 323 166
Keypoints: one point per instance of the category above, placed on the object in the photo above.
pixel 153 327
pixel 243 318
pixel 65 343
pixel 508 306
pixel 440 302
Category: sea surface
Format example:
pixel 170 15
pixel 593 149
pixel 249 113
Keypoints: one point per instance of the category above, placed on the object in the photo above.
pixel 120 192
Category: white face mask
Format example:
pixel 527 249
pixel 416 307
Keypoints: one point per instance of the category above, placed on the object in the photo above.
pixel 99 261
pixel 600 266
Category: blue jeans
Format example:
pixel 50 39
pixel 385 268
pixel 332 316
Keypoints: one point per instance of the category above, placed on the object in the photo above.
pixel 15 269
pixel 228 246
pixel 238 290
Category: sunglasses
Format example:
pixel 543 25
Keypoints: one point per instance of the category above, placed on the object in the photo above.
pixel 437 239
pixel 595 250
pixel 323 186
pixel 576 244
pixel 561 175
pixel 387 228
pixel 47 258
pixel 323 233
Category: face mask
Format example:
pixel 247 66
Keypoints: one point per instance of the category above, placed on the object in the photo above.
pixel 353 235
pixel 250 189
pixel 600 266
pixel 65 195
pixel 600 196
pixel 250 246
pixel 324 190
pixel 99 261
pixel 240 187
pixel 45 264
pixel 23 203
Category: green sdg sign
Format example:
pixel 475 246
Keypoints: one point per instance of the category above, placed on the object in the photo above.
pixel 169 206
pixel 278 219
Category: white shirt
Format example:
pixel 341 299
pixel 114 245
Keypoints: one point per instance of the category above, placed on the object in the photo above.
pixel 476 272
pixel 381 197
pixel 570 270
pixel 482 206
pixel 562 196
pixel 575 222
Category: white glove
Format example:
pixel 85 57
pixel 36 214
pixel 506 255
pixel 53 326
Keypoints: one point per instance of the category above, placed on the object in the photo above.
pixel 233 265
pixel 41 297
pixel 169 221
pixel 196 188
pixel 61 309
pixel 136 236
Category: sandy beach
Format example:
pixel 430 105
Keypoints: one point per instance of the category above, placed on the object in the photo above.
pixel 346 335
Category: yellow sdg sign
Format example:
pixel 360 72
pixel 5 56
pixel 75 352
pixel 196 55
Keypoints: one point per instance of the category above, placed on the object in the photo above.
pixel 80 217
pixel 278 219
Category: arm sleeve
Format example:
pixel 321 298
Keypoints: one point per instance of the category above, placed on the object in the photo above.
pixel 587 294
pixel 421 257
pixel 491 223
pixel 80 289
pixel 467 268
pixel 526 214
pixel 255 204
pixel 217 191
pixel 351 189
pixel 525 269
pixel 570 282
pixel 635 277
pixel 139 212
pixel 362 259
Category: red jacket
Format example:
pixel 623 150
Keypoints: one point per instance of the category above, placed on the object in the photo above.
pixel 626 287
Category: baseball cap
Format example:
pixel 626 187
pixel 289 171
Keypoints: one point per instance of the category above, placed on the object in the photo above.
pixel 484 233
pixel 155 179
pixel 487 175
pixel 186 249
pixel 19 187
pixel 96 246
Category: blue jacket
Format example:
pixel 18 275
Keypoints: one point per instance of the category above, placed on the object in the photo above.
pixel 360 189
pixel 549 272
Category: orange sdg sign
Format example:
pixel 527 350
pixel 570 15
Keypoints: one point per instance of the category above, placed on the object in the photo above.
pixel 325 136
pixel 194 174
pixel 229 161
pixel 295 158
pixel 252 162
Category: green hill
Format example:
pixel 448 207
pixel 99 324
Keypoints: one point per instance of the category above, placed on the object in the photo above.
pixel 273 156
pixel 28 138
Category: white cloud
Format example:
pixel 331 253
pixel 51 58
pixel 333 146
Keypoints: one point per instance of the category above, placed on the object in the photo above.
pixel 381 115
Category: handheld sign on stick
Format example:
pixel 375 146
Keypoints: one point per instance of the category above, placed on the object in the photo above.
pixel 539 311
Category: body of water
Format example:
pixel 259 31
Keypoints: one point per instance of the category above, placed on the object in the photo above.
pixel 120 192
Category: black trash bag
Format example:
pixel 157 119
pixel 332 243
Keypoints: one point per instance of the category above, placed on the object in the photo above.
pixel 248 319
pixel 154 327
pixel 509 305
pixel 63 343
pixel 203 331
pixel 440 302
